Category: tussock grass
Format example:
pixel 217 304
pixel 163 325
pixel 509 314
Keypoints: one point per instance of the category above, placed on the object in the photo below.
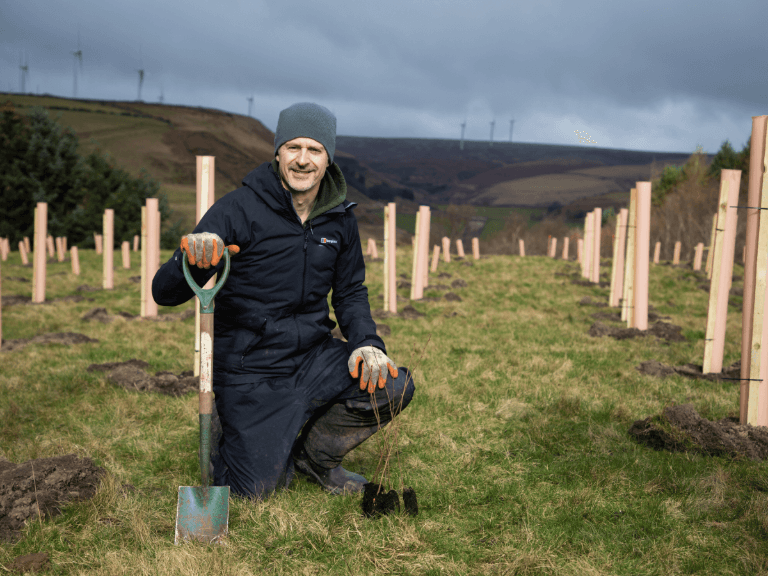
pixel 516 441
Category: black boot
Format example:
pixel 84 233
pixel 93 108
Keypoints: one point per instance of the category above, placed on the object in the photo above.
pixel 336 480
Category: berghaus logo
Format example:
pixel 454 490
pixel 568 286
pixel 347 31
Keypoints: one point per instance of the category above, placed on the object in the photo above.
pixel 328 241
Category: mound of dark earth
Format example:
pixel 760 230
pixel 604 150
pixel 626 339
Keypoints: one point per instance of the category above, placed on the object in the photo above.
pixel 681 429
pixel 662 330
pixel 41 487
pixel 15 299
pixel 616 316
pixel 65 338
pixel 132 376
pixel 101 315
pixel 694 371
pixel 407 312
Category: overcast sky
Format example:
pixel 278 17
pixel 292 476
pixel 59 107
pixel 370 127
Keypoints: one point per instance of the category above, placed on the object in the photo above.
pixel 654 75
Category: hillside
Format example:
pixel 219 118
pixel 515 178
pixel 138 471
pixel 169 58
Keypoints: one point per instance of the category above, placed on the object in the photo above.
pixel 164 139
pixel 504 174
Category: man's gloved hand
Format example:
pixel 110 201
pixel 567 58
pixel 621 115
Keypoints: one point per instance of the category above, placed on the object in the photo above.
pixel 205 249
pixel 374 367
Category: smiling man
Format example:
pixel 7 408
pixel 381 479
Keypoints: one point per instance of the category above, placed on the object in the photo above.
pixel 289 396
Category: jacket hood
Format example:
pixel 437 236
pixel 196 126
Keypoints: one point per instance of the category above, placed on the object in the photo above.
pixel 265 182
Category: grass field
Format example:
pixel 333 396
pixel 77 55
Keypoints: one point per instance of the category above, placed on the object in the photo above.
pixel 516 441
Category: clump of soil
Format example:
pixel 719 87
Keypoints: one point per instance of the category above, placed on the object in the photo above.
pixel 587 301
pixel 101 315
pixel 135 279
pixel 681 429
pixel 377 502
pixel 40 487
pixel 410 501
pixel 451 297
pixel 662 330
pixel 65 338
pixel 444 275
pixel 458 283
pixel 87 288
pixel 438 287
pixel 467 263
pixel 170 317
pixel 14 299
pixel 653 316
pixel 404 284
pixel 410 313
pixel 694 371
pixel 132 376
pixel 36 562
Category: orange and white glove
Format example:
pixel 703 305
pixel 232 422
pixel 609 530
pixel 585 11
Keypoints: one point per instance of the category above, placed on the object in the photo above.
pixel 371 364
pixel 205 249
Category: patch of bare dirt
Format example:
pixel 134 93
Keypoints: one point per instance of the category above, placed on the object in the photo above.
pixel 662 330
pixel 87 288
pixel 587 301
pixel 16 299
pixel 444 275
pixel 132 376
pixel 101 315
pixel 35 562
pixel 451 297
pixel 410 313
pixel 39 487
pixel 438 287
pixel 653 316
pixel 65 338
pixel 694 371
pixel 458 283
pixel 680 428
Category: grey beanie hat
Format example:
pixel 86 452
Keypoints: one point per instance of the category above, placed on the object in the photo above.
pixel 307 120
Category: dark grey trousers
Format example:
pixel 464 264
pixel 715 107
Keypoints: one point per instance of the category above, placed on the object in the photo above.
pixel 257 427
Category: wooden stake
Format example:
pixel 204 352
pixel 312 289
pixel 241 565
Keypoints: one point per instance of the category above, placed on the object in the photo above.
pixel 23 254
pixel 99 241
pixel 75 258
pixel 722 270
pixel 612 296
pixel 676 256
pixel 460 248
pixel 446 249
pixel 697 257
pixel 657 253
pixel 435 257
pixel 126 246
pixel 205 195
pixel 27 245
pixel 49 244
pixel 627 304
pixel 41 231
pixel 417 289
pixel 521 242
pixel 476 248
pixel 586 252
pixel 153 261
pixel 109 249
pixel 580 250
pixel 426 226
pixel 554 248
pixel 597 224
pixel 136 243
pixel 391 263
pixel 144 270
pixel 642 253
pixel 711 247
pixel 756 155
pixel 60 248
pixel 565 247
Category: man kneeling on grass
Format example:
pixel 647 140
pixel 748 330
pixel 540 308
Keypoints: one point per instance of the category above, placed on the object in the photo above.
pixel 288 395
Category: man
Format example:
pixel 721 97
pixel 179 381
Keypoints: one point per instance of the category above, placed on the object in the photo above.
pixel 289 396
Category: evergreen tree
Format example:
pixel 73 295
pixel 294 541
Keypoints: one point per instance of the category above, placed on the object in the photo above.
pixel 39 163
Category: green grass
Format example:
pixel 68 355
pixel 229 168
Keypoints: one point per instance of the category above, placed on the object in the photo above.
pixel 516 441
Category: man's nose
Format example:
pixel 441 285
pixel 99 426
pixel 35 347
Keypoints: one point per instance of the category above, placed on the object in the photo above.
pixel 303 157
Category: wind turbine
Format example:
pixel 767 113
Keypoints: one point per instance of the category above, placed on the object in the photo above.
pixel 78 54
pixel 490 142
pixel 24 67
pixel 250 103
pixel 461 142
pixel 141 73
pixel 511 123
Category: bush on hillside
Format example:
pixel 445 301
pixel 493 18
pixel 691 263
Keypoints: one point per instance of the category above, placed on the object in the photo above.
pixel 39 162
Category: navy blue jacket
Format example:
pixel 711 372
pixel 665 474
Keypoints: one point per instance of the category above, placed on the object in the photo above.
pixel 273 308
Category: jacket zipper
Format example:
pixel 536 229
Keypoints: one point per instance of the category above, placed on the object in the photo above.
pixel 303 283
